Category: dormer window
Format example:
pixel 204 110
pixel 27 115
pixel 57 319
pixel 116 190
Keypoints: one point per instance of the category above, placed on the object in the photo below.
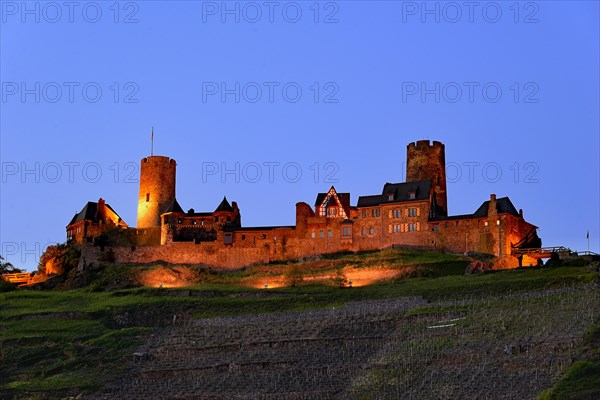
pixel 412 195
pixel 391 197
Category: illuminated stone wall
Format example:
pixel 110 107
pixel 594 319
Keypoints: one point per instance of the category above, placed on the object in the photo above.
pixel 157 189
pixel 425 161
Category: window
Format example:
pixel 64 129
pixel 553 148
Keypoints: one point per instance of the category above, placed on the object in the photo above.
pixel 313 234
pixel 371 231
pixel 497 222
pixel 147 197
pixel 413 227
pixel 321 233
pixel 364 213
pixel 322 212
pixel 364 231
pixel 412 195
pixel 376 212
pixel 394 228
pixel 243 237
pixel 436 228
pixel 264 236
pixel 179 220
pixel 347 231
pixel 396 214
pixel 332 211
pixel 329 233
pixel 391 197
pixel 194 222
pixel 485 223
pixel 413 212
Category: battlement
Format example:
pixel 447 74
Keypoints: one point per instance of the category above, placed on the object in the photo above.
pixel 425 144
pixel 163 160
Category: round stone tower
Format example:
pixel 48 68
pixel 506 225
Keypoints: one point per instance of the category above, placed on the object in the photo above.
pixel 425 161
pixel 157 189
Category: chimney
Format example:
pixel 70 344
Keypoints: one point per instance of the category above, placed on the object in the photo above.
pixel 101 208
pixel 521 212
pixel 492 208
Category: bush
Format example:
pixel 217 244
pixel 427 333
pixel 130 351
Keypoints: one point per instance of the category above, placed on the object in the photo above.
pixel 62 257
pixel 5 286
pixel 293 276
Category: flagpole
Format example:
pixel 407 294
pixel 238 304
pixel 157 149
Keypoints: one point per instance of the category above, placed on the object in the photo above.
pixel 152 145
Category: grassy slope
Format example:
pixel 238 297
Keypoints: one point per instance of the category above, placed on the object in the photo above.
pixel 63 342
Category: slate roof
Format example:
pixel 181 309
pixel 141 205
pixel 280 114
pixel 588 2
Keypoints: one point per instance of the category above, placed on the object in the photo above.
pixel 174 207
pixel 503 206
pixel 369 201
pixel 401 192
pixel 224 206
pixel 89 212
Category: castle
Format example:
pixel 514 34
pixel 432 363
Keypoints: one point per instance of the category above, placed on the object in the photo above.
pixel 412 214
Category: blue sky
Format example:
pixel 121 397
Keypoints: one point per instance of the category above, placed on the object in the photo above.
pixel 317 93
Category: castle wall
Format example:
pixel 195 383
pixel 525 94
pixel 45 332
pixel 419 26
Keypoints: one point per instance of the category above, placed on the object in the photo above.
pixel 262 246
pixel 494 234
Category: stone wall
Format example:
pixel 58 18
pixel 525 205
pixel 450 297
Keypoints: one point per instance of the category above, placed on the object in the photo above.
pixel 425 161
pixel 157 189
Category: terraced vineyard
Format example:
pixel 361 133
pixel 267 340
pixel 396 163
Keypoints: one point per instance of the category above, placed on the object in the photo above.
pixel 510 347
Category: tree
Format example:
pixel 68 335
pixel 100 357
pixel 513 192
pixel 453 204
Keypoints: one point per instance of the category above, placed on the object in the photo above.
pixel 340 279
pixel 7 268
pixel 293 276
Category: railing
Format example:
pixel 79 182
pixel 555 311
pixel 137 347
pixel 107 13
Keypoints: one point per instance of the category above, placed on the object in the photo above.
pixel 587 253
pixel 17 278
pixel 542 250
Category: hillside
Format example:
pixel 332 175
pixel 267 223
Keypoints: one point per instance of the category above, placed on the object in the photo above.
pixel 427 331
